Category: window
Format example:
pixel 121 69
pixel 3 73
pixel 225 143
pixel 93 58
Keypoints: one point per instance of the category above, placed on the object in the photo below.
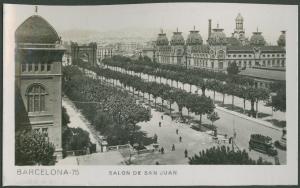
pixel 23 67
pixel 234 55
pixel 263 55
pixel 229 55
pixel 240 55
pixel 245 55
pixel 36 67
pixel 29 67
pixel 36 98
pixel 42 67
pixel 48 67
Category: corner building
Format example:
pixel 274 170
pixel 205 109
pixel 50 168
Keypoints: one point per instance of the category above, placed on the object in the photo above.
pixel 38 61
pixel 220 51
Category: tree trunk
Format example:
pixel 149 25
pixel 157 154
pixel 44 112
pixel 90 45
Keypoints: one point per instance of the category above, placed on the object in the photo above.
pixel 257 109
pixel 170 107
pixel 155 102
pixel 200 119
pixel 143 96
pixel 232 105
pixel 252 108
pixel 244 106
pixel 223 99
pixel 162 104
pixel 149 98
pixel 203 90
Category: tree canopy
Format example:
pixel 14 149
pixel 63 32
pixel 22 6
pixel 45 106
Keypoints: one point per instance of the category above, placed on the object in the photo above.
pixel 33 148
pixel 224 156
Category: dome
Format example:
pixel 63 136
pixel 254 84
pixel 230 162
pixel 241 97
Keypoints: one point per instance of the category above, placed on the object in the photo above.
pixel 257 39
pixel 162 39
pixel 194 38
pixel 239 17
pixel 36 30
pixel 281 39
pixel 177 39
pixel 217 37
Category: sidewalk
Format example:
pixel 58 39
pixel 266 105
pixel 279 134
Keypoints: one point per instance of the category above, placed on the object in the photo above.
pixel 78 120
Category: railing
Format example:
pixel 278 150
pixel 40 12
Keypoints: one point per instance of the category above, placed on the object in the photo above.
pixel 117 147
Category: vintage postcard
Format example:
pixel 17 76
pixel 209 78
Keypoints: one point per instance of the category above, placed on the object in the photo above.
pixel 150 94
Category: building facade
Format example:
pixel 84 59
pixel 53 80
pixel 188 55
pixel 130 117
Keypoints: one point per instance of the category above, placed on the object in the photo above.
pixel 220 51
pixel 38 62
pixel 104 52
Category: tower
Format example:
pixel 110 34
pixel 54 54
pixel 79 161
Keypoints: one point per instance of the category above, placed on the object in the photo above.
pixel 239 22
pixel 209 28
pixel 38 61
pixel 239 31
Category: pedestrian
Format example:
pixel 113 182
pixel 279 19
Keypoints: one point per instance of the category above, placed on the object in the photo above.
pixel 157 163
pixel 159 124
pixel 176 131
pixel 173 147
pixel 162 150
pixel 180 139
pixel 185 153
pixel 162 116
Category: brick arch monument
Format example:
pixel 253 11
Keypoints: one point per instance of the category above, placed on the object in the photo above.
pixel 86 50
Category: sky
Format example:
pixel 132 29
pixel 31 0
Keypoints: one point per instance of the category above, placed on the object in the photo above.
pixel 269 19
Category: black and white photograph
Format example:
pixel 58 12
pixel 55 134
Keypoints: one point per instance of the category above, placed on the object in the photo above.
pixel 163 85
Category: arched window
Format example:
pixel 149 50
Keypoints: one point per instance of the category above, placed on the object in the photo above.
pixel 36 95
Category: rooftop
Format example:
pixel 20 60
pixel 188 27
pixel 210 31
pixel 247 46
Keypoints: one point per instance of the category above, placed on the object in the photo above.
pixel 36 29
pixel 264 74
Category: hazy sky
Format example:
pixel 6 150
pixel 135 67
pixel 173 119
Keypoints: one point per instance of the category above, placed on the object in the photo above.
pixel 270 19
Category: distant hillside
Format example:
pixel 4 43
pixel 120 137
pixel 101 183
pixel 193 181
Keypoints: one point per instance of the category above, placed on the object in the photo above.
pixel 127 34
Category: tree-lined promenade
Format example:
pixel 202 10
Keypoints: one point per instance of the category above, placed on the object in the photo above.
pixel 230 84
pixel 200 105
pixel 115 78
pixel 114 113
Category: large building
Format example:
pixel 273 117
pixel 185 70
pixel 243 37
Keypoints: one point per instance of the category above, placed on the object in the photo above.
pixel 103 52
pixel 38 62
pixel 220 50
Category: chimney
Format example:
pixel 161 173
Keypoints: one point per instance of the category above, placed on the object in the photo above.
pixel 209 28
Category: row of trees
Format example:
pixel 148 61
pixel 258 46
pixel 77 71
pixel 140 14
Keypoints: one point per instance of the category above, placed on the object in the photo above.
pixel 224 156
pixel 200 105
pixel 113 112
pixel 233 85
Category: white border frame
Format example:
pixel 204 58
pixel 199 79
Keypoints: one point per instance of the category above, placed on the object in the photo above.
pixel 186 175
